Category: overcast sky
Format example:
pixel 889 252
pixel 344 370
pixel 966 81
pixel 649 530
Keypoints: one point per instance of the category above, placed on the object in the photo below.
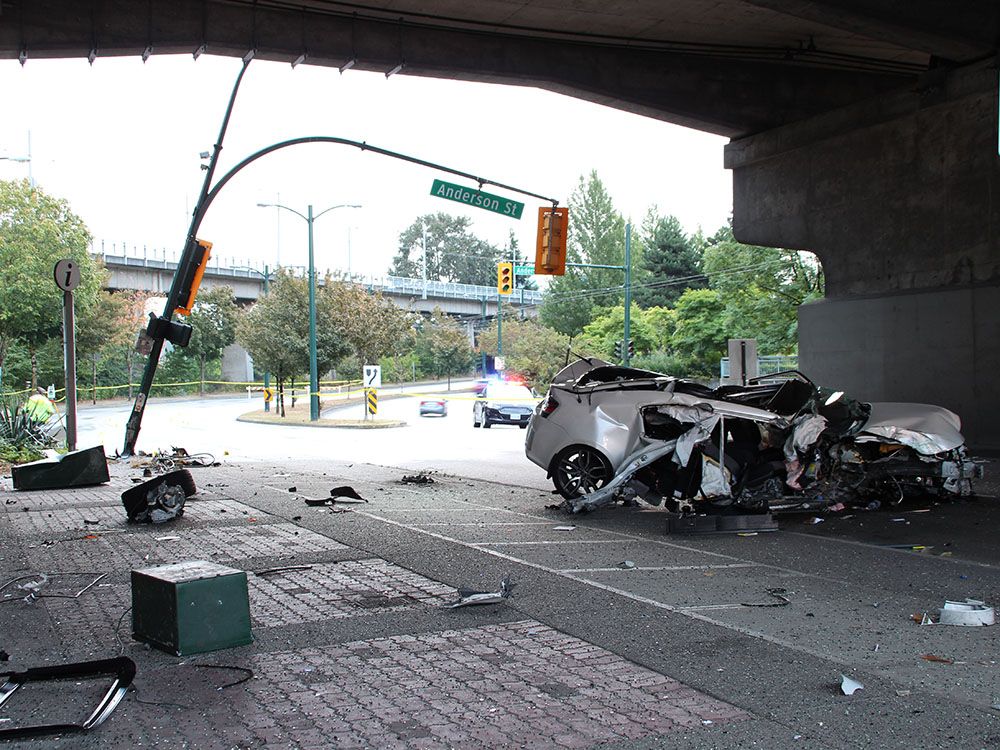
pixel 120 141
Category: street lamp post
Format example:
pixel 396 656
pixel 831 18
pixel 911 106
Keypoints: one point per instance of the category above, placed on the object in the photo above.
pixel 309 218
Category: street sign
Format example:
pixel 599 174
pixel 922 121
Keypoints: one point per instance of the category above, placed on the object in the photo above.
pixel 499 364
pixel 371 400
pixel 477 198
pixel 67 274
pixel 268 395
pixel 373 376
pixel 527 270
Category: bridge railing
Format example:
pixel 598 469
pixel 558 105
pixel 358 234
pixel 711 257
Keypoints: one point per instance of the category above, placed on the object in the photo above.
pixel 397 285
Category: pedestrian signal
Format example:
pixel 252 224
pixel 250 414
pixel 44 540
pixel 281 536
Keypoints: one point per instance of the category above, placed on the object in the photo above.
pixel 505 278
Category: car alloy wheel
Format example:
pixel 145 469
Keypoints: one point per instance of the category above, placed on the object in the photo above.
pixel 579 470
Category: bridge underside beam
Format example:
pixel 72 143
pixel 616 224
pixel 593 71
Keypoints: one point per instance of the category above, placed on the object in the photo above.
pixel 900 200
pixel 725 91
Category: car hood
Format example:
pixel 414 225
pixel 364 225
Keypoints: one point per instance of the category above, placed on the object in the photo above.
pixel 926 428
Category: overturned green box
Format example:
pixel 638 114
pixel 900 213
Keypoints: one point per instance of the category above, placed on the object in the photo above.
pixel 190 607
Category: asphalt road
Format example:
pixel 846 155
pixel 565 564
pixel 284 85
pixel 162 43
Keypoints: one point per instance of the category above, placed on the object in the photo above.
pixel 447 444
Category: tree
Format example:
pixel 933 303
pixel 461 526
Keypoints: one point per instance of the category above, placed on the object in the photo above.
pixel 700 336
pixel 671 262
pixel 442 347
pixel 37 230
pixel 596 236
pixel 762 288
pixel 534 351
pixel 608 327
pixel 131 320
pixel 213 319
pixel 369 325
pixel 98 332
pixel 454 254
pixel 275 331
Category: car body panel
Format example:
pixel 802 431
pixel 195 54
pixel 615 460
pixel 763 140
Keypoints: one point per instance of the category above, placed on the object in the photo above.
pixel 815 443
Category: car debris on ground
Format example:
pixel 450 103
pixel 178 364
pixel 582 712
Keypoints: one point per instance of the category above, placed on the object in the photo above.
pixel 607 434
pixel 121 667
pixel 849 686
pixel 160 499
pixel 417 479
pixel 469 598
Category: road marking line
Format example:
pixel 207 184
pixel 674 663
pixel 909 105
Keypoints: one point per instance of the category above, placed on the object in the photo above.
pixel 619 569
pixel 487 523
pixel 543 542
pixel 747 631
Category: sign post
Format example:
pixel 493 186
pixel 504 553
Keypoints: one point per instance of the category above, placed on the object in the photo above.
pixel 67 277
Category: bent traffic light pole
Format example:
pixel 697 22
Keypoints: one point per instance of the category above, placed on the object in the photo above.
pixel 163 326
pixel 184 273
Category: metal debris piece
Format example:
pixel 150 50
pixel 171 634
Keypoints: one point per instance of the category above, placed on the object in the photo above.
pixel 283 569
pixel 468 598
pixel 849 686
pixel 417 479
pixel 777 593
pixel 346 494
pixel 563 528
pixel 970 613
pixel 627 564
pixel 121 667
pixel 937 659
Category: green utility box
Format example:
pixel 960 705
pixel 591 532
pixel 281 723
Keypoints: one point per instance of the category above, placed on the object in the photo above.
pixel 190 607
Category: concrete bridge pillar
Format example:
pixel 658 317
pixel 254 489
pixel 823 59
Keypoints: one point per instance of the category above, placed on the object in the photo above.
pixel 899 198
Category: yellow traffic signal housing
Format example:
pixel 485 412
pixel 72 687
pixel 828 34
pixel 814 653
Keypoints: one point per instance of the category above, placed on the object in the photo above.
pixel 550 250
pixel 505 278
pixel 202 251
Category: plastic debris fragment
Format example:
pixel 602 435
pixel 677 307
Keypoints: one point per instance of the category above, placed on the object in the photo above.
pixel 849 686
pixel 469 598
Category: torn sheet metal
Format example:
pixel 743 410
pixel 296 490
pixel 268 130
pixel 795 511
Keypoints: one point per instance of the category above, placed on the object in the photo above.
pixel 121 668
pixel 609 433
pixel 469 598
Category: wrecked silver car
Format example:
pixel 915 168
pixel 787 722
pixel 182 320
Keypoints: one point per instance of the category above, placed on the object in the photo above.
pixel 605 433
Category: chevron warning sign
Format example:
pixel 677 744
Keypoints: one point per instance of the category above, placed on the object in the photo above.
pixel 371 399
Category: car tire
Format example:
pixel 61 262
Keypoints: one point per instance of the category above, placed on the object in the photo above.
pixel 523 426
pixel 486 423
pixel 579 470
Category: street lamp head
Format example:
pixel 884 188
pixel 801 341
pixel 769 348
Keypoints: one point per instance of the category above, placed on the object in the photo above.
pixel 265 205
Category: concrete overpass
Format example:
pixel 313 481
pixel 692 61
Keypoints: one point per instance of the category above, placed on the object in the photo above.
pixel 467 301
pixel 862 130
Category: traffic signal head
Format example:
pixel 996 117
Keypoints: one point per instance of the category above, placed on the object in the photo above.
pixel 550 248
pixel 505 278
pixel 618 350
pixel 193 267
pixel 631 347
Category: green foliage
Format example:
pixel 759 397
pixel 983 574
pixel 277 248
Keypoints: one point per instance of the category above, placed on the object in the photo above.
pixel 453 253
pixel 534 351
pixel 21 438
pixel 275 331
pixel 442 347
pixel 213 320
pixel 37 230
pixel 174 367
pixel 762 288
pixel 369 325
pixel 671 262
pixel 700 337
pixel 596 236
pixel 608 327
